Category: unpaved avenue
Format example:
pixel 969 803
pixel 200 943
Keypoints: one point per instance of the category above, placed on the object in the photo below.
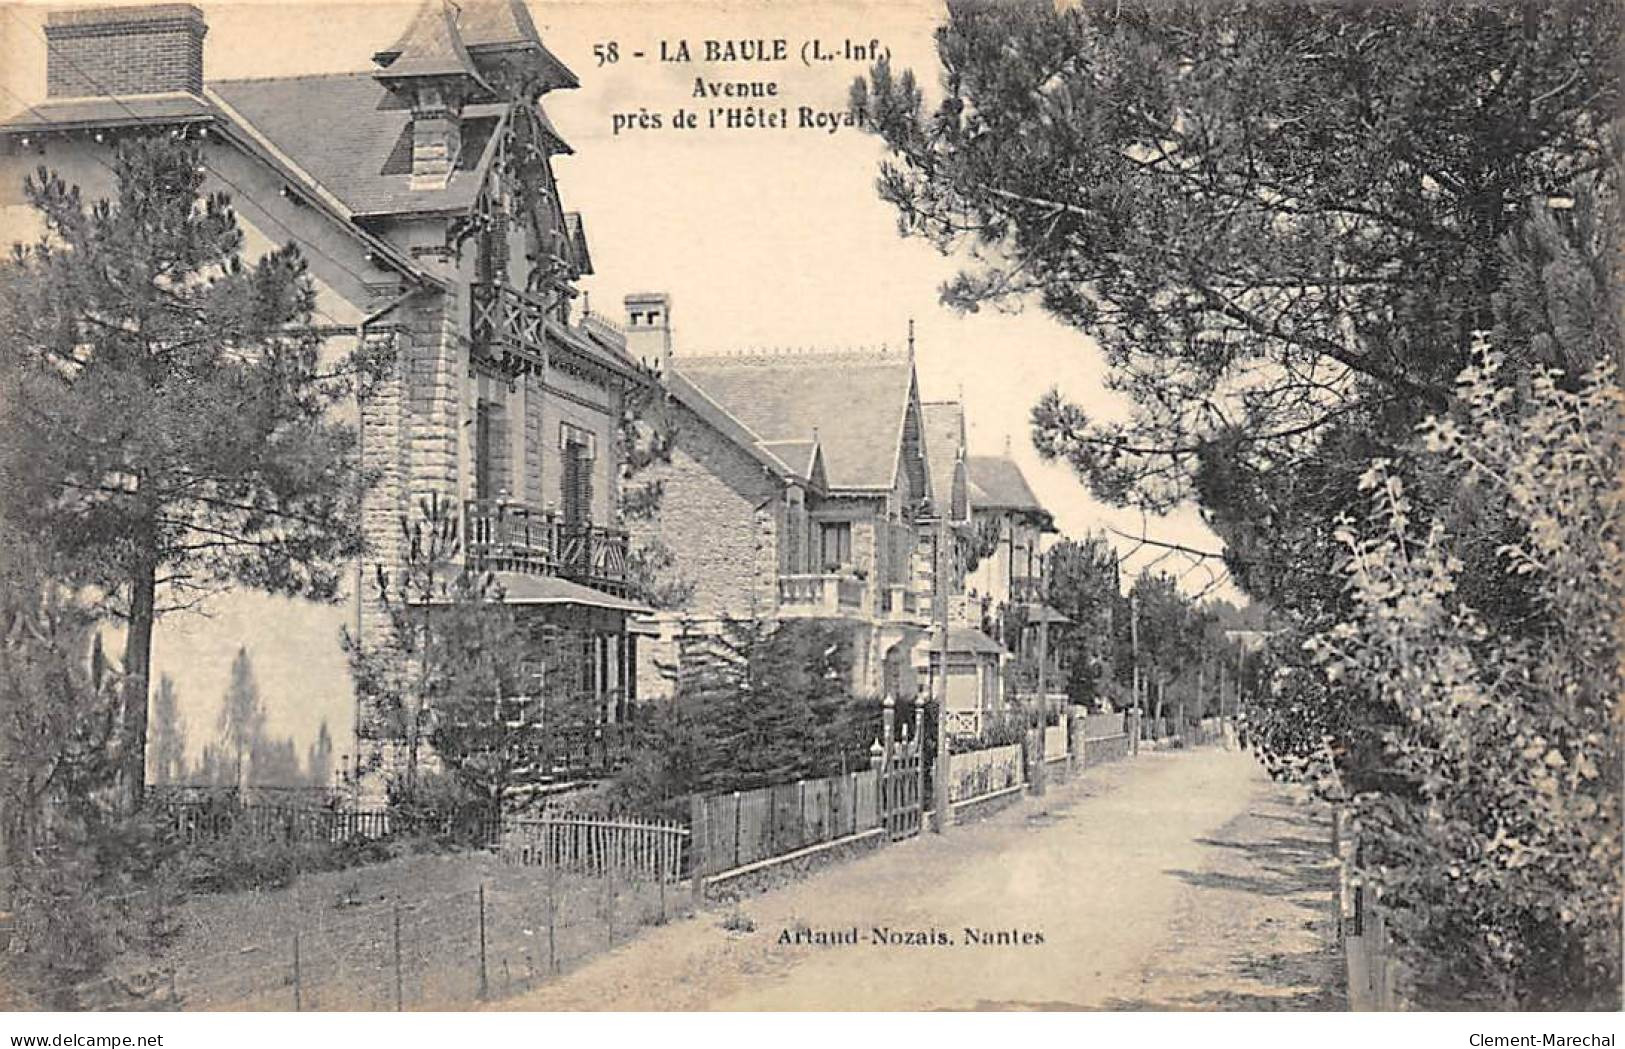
pixel 1177 880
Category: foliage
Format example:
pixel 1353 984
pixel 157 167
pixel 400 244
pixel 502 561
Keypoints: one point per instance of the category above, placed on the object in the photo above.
pixel 248 859
pixel 652 577
pixel 396 674
pixel 167 425
pixel 167 746
pixel 319 759
pixel 459 672
pixel 1500 860
pixel 759 703
pixel 1240 203
pixel 85 881
pixel 1082 584
pixel 242 716
pixel 483 717
pixel 998 730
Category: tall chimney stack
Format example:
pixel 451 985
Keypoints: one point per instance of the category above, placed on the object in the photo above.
pixel 648 328
pixel 124 51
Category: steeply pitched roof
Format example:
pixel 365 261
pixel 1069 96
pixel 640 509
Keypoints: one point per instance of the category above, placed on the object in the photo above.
pixel 852 403
pixel 804 457
pixel 576 230
pixel 997 483
pixel 718 418
pixel 446 38
pixel 944 426
pixel 345 132
pixel 430 47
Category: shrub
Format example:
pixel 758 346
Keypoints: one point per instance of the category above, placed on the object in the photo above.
pixel 1497 855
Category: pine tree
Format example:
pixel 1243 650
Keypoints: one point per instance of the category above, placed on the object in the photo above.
pixel 319 760
pixel 242 719
pixel 274 763
pixel 167 426
pixel 167 738
pixel 72 862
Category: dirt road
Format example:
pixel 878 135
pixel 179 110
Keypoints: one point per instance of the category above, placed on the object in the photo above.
pixel 1174 880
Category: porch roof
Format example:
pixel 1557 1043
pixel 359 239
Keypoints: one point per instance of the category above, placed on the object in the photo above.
pixel 521 589
pixel 962 640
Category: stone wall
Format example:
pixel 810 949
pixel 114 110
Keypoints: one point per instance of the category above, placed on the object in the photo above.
pixel 410 444
pixel 718 516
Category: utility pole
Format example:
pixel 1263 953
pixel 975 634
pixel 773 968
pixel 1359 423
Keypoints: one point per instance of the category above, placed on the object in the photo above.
pixel 1043 699
pixel 939 775
pixel 1134 644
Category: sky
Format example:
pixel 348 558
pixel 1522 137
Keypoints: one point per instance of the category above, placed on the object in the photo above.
pixel 762 237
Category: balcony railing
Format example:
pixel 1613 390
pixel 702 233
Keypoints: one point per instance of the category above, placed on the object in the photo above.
pixel 514 537
pixel 900 603
pixel 829 594
pixel 503 316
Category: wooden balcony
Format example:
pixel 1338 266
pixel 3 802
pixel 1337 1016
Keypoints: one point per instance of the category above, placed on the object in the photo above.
pixel 513 537
pixel 508 325
pixel 821 596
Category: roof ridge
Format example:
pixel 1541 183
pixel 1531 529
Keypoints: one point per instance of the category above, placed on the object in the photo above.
pixel 286 76
pixel 762 356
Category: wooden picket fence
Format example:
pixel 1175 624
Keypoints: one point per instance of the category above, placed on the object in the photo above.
pixel 654 850
pixel 200 821
pixel 902 795
pixel 593 845
pixel 745 827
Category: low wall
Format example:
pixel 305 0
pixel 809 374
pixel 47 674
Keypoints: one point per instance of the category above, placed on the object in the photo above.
pixel 1105 748
pixel 1055 741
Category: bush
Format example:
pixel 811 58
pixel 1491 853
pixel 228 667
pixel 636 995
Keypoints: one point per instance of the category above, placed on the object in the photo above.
pixel 1497 854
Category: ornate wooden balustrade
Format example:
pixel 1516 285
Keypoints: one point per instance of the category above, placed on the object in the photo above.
pixel 513 537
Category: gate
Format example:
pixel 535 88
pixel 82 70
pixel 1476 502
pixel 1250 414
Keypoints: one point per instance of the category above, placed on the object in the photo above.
pixel 901 776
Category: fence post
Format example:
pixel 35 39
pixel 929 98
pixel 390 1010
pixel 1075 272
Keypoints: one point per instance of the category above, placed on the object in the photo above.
pixel 298 986
pixel 697 836
pixel 609 912
pixel 485 987
pixel 736 828
pixel 397 916
pixel 552 919
pixel 919 754
pixel 660 874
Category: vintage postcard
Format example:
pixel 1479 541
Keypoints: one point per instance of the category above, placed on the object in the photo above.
pixel 684 505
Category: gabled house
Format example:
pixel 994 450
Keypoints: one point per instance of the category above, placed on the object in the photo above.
pixel 795 491
pixel 422 193
pixel 1006 592
pixel 975 662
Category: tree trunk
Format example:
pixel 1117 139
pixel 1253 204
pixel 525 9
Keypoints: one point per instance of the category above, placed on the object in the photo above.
pixel 137 672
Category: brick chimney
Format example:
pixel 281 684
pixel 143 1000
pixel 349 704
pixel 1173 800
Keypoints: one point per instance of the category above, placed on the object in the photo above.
pixel 648 328
pixel 437 135
pixel 124 50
